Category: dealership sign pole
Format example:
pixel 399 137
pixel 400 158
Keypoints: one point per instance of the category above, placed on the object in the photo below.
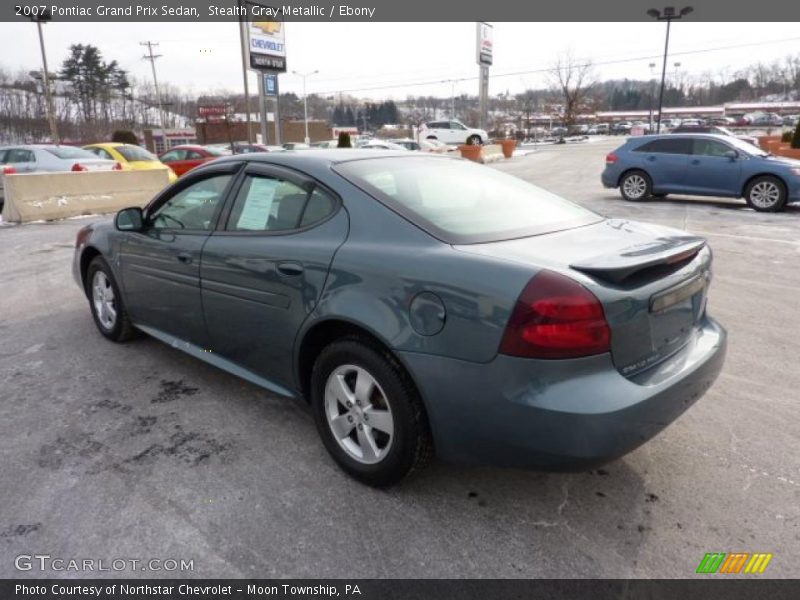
pixel 484 59
pixel 266 45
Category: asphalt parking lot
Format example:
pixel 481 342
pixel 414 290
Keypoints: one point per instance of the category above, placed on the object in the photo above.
pixel 139 451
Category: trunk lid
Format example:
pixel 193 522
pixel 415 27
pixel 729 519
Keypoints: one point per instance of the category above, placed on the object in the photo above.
pixel 651 280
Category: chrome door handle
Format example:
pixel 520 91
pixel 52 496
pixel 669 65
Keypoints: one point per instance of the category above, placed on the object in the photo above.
pixel 185 257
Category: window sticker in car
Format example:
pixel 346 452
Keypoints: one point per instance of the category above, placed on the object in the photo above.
pixel 258 204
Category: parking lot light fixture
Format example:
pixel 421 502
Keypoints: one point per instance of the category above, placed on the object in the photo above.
pixel 305 99
pixel 669 14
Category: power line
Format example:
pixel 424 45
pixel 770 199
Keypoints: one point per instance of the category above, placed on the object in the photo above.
pixel 152 58
pixel 550 69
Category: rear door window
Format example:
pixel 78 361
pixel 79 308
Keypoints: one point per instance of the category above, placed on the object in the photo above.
pixel 271 204
pixel 666 146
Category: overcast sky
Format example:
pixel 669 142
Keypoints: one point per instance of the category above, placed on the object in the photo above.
pixel 204 57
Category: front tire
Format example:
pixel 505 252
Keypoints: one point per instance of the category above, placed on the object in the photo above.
pixel 635 186
pixel 474 140
pixel 106 304
pixel 368 413
pixel 766 194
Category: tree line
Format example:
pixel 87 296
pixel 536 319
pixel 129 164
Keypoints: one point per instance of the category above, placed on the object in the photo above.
pixel 95 96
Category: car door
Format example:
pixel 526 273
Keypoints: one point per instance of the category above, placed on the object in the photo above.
pixel 458 133
pixel 263 271
pixel 712 171
pixel 22 159
pixel 440 130
pixel 160 265
pixel 195 159
pixel 176 158
pixel 665 160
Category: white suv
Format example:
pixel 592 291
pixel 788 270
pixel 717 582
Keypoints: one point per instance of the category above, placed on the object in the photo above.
pixel 452 132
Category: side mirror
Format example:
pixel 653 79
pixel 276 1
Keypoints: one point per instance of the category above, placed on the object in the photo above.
pixel 732 154
pixel 129 219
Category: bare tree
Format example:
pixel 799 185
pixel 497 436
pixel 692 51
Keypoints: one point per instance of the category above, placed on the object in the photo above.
pixel 573 78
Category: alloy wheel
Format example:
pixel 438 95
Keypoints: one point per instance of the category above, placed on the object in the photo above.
pixel 104 301
pixel 358 414
pixel 634 186
pixel 765 194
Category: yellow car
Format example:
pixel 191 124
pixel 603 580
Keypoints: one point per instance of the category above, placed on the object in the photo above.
pixel 130 157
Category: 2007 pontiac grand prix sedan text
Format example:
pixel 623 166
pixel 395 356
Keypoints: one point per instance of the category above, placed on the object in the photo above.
pixel 421 304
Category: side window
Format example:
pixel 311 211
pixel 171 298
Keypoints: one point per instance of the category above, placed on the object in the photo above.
pixel 102 153
pixel 674 145
pixel 710 147
pixel 174 155
pixel 320 205
pixel 271 204
pixel 194 207
pixel 3 154
pixel 192 155
pixel 19 155
pixel 457 125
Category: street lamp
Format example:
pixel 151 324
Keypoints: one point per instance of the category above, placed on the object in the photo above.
pixel 669 14
pixel 43 17
pixel 305 99
pixel 652 93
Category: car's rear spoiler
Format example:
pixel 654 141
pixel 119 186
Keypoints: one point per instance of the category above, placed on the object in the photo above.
pixel 616 267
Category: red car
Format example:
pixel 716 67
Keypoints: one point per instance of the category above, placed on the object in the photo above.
pixel 185 158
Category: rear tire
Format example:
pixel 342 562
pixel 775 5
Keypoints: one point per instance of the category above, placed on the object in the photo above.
pixel 354 387
pixel 766 194
pixel 105 301
pixel 635 186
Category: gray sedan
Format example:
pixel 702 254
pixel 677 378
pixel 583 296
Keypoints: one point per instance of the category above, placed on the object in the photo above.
pixel 419 304
pixel 37 158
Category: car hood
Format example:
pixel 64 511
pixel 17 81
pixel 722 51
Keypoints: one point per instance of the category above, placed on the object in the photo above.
pixel 783 160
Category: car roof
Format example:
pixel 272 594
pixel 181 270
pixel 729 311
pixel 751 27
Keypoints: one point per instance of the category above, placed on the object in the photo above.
pixel 323 156
pixel 667 136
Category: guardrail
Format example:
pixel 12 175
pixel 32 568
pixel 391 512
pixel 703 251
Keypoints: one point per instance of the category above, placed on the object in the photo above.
pixel 49 196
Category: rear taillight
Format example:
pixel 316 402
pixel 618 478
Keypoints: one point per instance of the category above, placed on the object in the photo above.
pixel 78 167
pixel 9 170
pixel 83 235
pixel 556 317
pixel 611 158
pixel 117 167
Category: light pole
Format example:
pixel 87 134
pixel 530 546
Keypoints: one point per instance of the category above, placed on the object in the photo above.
pixel 305 99
pixel 652 93
pixel 669 14
pixel 51 116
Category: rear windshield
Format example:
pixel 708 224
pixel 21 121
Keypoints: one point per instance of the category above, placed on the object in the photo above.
pixel 133 153
pixel 70 152
pixel 460 202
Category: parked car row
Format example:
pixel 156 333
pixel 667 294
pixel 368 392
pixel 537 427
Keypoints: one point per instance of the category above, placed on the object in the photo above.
pixel 49 158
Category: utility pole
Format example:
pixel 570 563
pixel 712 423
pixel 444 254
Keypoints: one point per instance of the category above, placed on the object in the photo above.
pixel 51 113
pixel 152 58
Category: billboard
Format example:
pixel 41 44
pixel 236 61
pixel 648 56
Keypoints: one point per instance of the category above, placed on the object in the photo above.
pixel 266 42
pixel 484 44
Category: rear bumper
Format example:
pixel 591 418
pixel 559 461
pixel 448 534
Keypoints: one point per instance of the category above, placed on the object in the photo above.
pixel 609 178
pixel 559 414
